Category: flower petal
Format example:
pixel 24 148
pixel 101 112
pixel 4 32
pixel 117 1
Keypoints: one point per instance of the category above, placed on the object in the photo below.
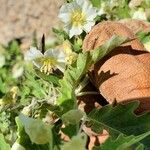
pixel 81 2
pixel 75 31
pixel 32 54
pixel 38 62
pixel 65 17
pixel 101 11
pixel 49 53
pixel 88 9
pixel 67 28
pixel 91 14
pixel 57 54
pixel 61 55
pixel 87 27
pixel 61 66
pixel 64 14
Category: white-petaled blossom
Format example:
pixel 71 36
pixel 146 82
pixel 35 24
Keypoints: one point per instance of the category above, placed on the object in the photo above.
pixel 78 16
pixel 17 146
pixel 139 14
pixel 52 59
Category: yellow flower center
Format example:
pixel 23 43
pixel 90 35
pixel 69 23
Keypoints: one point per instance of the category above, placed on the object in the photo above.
pixel 48 65
pixel 78 18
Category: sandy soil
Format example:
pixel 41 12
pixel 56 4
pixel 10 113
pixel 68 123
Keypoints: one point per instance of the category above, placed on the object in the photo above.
pixel 20 18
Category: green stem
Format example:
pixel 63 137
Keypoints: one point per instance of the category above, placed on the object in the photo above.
pixel 88 93
pixel 82 85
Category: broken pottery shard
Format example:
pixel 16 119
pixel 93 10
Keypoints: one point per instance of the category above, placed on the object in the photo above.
pixel 136 25
pixel 128 66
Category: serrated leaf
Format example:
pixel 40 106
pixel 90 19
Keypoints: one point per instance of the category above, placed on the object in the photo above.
pixel 107 47
pixel 38 132
pixel 77 143
pixel 3 144
pixel 121 119
pixel 72 117
pixel 122 142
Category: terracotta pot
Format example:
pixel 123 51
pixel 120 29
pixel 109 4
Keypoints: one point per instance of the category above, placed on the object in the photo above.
pixel 125 71
pixel 136 25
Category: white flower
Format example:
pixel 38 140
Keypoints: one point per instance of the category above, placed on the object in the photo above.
pixel 17 146
pixel 47 62
pixel 139 14
pixel 78 16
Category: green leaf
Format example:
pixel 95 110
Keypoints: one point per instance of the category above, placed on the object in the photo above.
pixel 23 138
pixel 3 144
pixel 75 73
pixel 122 142
pixel 61 34
pixel 25 141
pixel 72 117
pixel 96 3
pixel 38 132
pixel 107 47
pixel 121 119
pixel 34 84
pixel 70 130
pixel 143 37
pixel 67 99
pixel 77 143
pixel 49 78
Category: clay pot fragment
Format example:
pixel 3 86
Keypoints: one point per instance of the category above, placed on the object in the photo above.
pixel 136 25
pixel 128 63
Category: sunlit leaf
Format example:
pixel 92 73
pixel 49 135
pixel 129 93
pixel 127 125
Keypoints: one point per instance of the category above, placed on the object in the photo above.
pixel 3 144
pixel 121 119
pixel 122 142
pixel 72 116
pixel 38 132
pixel 77 143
